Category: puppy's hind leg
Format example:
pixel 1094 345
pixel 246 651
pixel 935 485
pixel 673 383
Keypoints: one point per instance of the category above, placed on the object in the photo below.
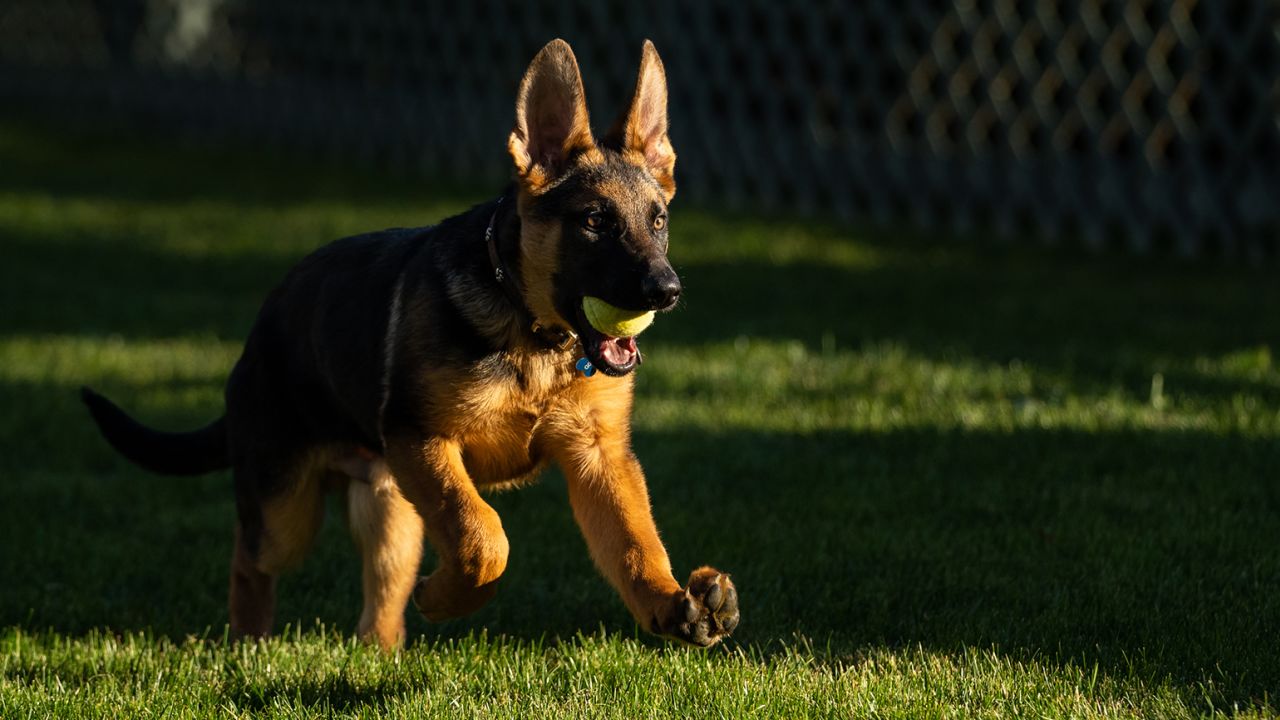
pixel 388 531
pixel 273 534
pixel 253 593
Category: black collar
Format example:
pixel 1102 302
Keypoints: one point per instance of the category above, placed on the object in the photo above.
pixel 558 338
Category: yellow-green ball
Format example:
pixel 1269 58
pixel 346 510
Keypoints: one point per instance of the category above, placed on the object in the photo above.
pixel 614 321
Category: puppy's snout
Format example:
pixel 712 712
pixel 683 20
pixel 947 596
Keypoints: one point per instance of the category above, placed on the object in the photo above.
pixel 661 287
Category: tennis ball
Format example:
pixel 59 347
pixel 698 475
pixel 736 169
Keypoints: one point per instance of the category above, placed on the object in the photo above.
pixel 614 321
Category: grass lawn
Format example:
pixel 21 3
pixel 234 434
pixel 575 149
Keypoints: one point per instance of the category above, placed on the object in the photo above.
pixel 950 479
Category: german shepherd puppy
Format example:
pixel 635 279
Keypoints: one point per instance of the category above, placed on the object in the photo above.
pixel 416 368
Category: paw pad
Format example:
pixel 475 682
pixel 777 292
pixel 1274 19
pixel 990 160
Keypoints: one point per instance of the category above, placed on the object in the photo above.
pixel 705 612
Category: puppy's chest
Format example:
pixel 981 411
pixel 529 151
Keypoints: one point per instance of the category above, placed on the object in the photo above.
pixel 499 413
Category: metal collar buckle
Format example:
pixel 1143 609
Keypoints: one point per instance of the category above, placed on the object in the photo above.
pixel 566 338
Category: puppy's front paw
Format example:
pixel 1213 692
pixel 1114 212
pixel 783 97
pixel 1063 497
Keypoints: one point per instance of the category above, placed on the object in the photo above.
pixel 704 613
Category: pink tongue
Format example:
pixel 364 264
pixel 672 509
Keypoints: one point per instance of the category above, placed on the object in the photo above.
pixel 618 351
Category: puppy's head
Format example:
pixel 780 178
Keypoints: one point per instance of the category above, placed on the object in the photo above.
pixel 593 214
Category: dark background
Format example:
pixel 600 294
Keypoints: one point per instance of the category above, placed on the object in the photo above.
pixel 1148 124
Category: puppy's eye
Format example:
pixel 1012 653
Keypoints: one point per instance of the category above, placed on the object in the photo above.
pixel 659 222
pixel 595 222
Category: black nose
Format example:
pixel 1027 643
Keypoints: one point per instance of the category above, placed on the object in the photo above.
pixel 661 287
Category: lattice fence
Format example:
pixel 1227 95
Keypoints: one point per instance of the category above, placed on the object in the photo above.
pixel 1149 123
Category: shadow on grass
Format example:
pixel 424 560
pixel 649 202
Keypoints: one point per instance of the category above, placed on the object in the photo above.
pixel 334 693
pixel 1150 553
pixel 1095 325
pixel 1132 550
pixel 95 163
pixel 116 284
pixel 1090 320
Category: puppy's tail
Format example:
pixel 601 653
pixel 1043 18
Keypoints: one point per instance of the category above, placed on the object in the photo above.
pixel 183 453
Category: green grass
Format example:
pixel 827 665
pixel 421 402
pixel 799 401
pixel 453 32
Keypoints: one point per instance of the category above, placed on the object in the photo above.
pixel 950 480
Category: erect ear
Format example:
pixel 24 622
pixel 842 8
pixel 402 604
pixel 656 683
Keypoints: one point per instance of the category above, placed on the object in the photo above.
pixel 640 134
pixel 551 117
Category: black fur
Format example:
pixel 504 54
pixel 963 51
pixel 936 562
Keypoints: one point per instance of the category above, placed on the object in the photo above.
pixel 187 453
pixel 312 369
pixel 314 357
pixel 330 393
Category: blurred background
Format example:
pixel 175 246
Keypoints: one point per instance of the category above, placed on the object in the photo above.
pixel 975 365
pixel 1151 125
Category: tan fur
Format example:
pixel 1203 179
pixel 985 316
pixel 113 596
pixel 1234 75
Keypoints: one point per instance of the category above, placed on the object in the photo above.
pixel 388 532
pixel 290 522
pixel 497 422
pixel 465 532
pixel 252 600
pixel 500 424
pixel 630 198
pixel 552 126
pixel 504 423
pixel 292 519
pixel 589 436
pixel 539 247
pixel 642 129
pixel 502 420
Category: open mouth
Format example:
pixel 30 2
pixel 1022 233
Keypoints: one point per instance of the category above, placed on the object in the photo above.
pixel 611 355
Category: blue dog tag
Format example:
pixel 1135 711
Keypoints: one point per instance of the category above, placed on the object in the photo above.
pixel 585 367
